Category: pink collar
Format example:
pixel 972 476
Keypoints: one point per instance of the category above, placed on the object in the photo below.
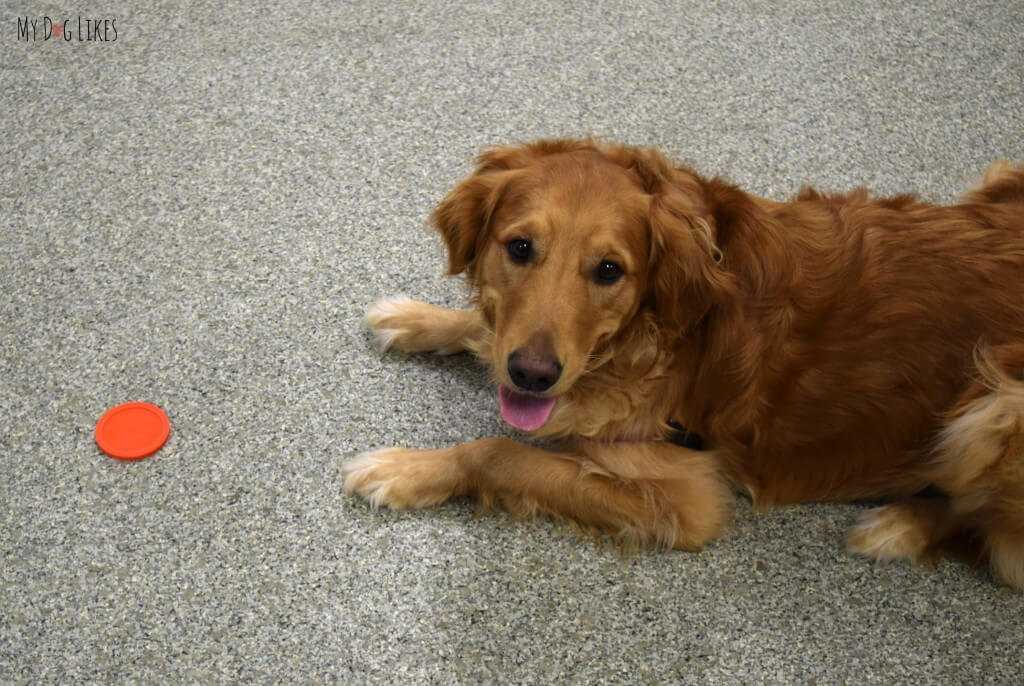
pixel 677 434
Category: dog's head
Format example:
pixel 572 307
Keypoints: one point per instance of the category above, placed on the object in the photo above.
pixel 571 245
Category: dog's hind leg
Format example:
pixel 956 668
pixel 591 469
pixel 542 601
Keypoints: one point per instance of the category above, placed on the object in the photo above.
pixel 981 460
pixel 1002 182
pixel 412 326
pixel 980 464
pixel 911 529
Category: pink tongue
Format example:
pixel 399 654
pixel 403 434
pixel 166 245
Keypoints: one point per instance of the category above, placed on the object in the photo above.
pixel 524 412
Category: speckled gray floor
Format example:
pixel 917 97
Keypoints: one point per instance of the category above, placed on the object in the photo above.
pixel 198 213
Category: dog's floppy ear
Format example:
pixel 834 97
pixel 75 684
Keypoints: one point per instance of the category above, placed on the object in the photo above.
pixel 687 275
pixel 463 218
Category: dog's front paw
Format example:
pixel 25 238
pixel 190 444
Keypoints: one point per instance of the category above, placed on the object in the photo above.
pixel 391 320
pixel 400 478
pixel 412 326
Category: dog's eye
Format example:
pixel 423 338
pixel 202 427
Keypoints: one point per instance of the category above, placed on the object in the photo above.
pixel 608 273
pixel 519 250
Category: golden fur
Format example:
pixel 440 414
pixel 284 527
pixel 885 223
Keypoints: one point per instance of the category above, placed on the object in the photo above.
pixel 834 347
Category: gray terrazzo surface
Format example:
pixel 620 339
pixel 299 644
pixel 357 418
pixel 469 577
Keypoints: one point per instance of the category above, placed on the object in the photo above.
pixel 198 213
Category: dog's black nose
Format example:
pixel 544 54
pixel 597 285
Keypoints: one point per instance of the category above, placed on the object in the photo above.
pixel 532 372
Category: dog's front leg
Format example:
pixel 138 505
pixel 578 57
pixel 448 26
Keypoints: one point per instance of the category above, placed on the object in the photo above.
pixel 412 326
pixel 638 493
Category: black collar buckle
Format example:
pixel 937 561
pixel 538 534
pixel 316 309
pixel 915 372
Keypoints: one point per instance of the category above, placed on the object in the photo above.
pixel 682 436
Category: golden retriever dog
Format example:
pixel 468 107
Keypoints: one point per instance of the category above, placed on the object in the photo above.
pixel 834 347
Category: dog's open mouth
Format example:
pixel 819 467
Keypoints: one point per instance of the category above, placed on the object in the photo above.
pixel 526 412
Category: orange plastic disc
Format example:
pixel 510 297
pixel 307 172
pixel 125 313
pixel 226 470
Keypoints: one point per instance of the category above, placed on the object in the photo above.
pixel 132 431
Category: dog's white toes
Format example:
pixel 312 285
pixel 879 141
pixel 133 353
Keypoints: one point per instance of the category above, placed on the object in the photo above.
pixel 888 532
pixel 383 317
pixel 364 476
pixel 399 478
pixel 385 338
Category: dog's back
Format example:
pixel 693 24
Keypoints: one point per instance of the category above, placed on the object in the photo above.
pixel 927 353
pixel 860 322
